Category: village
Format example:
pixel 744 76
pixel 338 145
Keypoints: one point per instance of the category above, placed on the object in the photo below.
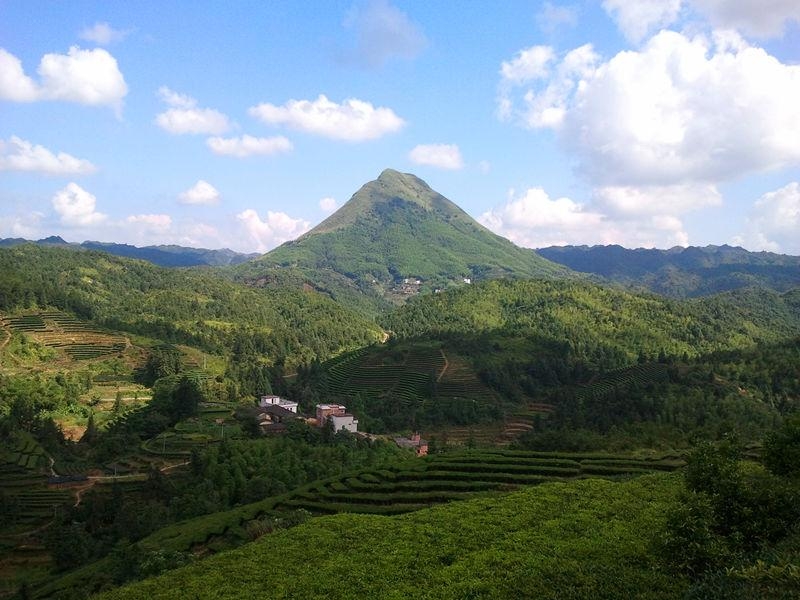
pixel 275 413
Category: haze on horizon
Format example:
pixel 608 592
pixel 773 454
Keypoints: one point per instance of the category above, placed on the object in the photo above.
pixel 655 123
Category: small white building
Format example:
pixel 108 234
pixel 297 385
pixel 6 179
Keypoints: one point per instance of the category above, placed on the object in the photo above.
pixel 278 401
pixel 339 417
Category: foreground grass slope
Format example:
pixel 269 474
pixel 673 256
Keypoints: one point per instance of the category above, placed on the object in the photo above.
pixel 581 539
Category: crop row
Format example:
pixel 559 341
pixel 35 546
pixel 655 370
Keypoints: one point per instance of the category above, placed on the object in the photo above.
pixel 448 477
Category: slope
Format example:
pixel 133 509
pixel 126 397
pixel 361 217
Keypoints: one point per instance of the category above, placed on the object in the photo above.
pixel 576 540
pixel 164 256
pixel 199 307
pixel 397 228
pixel 681 272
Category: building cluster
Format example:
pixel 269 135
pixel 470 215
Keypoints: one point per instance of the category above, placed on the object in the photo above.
pixel 274 413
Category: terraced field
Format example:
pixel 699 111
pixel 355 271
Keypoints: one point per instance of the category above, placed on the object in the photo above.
pixel 23 482
pixel 76 338
pixel 605 384
pixel 455 476
pixel 410 373
pixel 415 484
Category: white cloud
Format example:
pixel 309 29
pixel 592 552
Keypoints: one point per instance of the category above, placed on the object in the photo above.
pixel 193 120
pixel 534 220
pixel 89 77
pixel 201 192
pixel 529 64
pixel 761 19
pixel 552 16
pixel 353 120
pixel 276 229
pixel 248 145
pixel 545 107
pixel 656 200
pixel 774 223
pixel 103 34
pixel 76 207
pixel 184 117
pixel 21 226
pixel 20 155
pixel 14 84
pixel 328 204
pixel 678 111
pixel 159 223
pixel 442 156
pixel 174 99
pixel 638 18
pixel 383 32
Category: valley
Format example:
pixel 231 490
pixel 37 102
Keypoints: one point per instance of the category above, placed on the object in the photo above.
pixel 569 418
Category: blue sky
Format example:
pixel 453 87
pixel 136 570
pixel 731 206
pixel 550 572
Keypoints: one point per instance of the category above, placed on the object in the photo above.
pixel 242 125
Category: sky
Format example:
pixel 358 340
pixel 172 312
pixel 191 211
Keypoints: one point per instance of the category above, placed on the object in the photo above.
pixel 243 124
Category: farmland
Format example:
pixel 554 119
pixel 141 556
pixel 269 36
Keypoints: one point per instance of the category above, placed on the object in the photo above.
pixel 65 333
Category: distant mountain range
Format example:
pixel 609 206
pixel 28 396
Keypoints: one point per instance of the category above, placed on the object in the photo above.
pixel 397 237
pixel 165 256
pixel 681 272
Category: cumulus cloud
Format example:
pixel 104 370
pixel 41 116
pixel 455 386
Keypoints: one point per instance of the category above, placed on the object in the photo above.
pixel 89 77
pixel 103 34
pixel 185 117
pixel 201 192
pixel 76 207
pixel 761 19
pixel 441 156
pixel 276 229
pixel 17 154
pixel 774 222
pixel 248 145
pixel 546 87
pixel 636 19
pixel 656 200
pixel 328 204
pixel 534 220
pixel 679 110
pixel 529 64
pixel 383 32
pixel 353 120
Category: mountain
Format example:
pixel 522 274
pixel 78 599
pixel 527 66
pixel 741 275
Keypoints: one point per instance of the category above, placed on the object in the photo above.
pixel 161 255
pixel 397 236
pixel 682 272
pixel 200 307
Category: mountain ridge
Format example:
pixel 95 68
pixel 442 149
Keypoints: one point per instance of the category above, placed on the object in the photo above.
pixel 163 255
pixel 681 272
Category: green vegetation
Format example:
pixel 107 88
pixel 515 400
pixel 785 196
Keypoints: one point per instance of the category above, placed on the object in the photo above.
pixel 197 307
pixel 373 242
pixel 129 444
pixel 551 541
pixel 681 272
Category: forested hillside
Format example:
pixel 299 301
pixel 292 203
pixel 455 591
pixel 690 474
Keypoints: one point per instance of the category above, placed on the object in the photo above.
pixel 397 228
pixel 681 272
pixel 199 307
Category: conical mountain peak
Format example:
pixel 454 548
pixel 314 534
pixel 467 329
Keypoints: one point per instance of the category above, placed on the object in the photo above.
pixel 395 228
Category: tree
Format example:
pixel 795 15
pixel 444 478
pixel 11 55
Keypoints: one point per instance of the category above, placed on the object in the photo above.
pixel 782 449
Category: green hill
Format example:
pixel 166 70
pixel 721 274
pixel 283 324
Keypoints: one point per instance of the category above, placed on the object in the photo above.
pixel 200 307
pixel 397 228
pixel 564 540
pixel 681 272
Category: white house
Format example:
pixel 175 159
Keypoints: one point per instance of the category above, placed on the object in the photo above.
pixel 277 401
